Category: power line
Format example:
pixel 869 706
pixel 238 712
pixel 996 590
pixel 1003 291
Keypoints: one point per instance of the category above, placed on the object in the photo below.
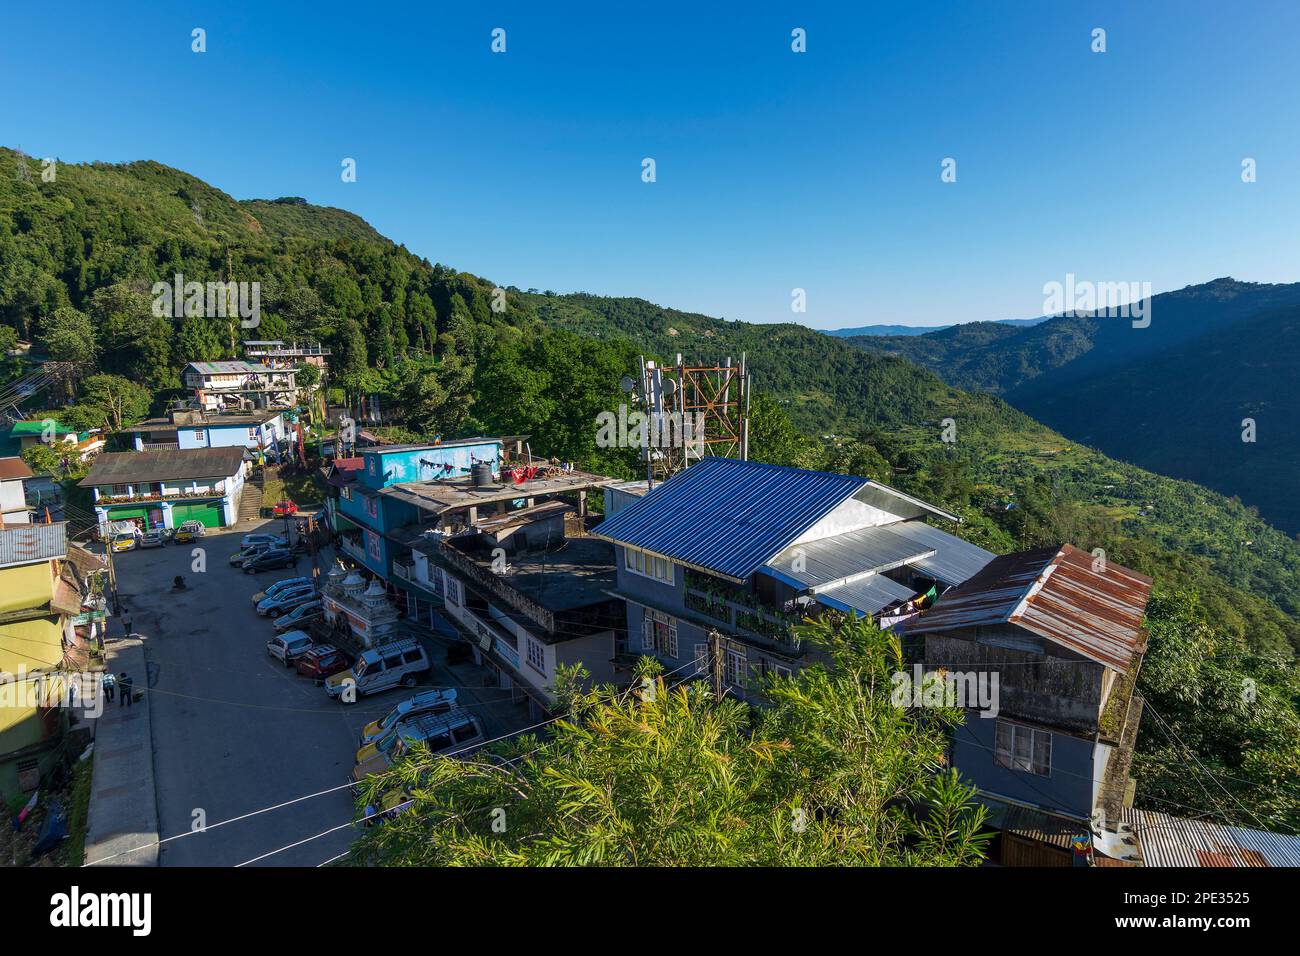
pixel 345 786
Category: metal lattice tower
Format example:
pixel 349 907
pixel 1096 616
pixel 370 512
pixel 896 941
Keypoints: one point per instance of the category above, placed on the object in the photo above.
pixel 693 411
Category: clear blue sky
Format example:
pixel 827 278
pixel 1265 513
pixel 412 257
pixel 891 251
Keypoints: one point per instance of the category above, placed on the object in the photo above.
pixel 775 170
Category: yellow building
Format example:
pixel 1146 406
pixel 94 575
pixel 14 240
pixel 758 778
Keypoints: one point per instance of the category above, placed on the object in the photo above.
pixel 37 604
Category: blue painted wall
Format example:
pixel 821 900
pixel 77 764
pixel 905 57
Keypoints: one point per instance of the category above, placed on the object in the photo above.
pixel 384 468
pixel 1067 789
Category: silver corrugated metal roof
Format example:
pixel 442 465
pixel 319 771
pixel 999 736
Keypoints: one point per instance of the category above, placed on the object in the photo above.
pixel 954 560
pixel 817 563
pixel 1056 594
pixel 868 595
pixel 728 516
pixel 23 544
pixel 1174 841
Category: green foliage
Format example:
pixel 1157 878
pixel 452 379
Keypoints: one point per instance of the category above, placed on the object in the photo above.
pixel 832 774
pixel 68 336
pixel 1221 730
pixel 112 402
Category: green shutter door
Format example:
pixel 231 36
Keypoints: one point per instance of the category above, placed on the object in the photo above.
pixel 209 513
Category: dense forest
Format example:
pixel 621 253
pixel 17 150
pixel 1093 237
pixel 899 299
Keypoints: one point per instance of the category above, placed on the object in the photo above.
pixel 450 353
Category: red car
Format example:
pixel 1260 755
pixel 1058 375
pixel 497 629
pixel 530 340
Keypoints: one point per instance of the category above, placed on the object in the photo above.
pixel 284 509
pixel 322 661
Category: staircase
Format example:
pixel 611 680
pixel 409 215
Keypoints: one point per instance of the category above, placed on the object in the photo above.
pixel 250 502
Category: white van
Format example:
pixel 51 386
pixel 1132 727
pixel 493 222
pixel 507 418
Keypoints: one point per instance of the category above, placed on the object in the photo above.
pixel 402 663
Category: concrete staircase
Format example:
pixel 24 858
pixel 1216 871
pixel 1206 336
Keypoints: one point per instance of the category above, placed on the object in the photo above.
pixel 250 502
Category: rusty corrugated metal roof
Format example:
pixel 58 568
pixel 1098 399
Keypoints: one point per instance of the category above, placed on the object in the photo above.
pixel 1056 593
pixel 1175 841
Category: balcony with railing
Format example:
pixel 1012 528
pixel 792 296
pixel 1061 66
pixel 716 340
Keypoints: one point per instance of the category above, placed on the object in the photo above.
pixel 742 612
pixel 159 493
pixel 350 544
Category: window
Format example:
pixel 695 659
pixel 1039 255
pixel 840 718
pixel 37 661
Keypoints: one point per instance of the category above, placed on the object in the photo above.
pixel 411 657
pixel 454 591
pixel 346 492
pixel 701 658
pixel 537 656
pixel 372 508
pixel 648 565
pixel 659 633
pixel 772 668
pixel 252 434
pixel 1023 748
pixel 198 434
pixel 735 668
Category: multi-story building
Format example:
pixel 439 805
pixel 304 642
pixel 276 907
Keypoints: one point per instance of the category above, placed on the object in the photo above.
pixel 364 515
pixel 164 489
pixel 276 353
pixel 259 431
pixel 1062 632
pixel 530 596
pixel 240 385
pixel 747 550
pixel 40 599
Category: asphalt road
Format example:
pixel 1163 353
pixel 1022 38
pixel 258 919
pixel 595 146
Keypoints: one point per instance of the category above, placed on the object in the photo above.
pixel 234 731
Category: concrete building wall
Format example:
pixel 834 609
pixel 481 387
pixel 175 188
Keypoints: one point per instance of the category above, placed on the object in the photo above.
pixel 1068 788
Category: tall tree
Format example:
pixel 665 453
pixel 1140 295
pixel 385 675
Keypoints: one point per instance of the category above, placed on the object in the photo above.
pixel 832 774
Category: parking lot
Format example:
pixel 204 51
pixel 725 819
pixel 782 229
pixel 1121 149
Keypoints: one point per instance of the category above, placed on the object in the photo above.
pixel 234 731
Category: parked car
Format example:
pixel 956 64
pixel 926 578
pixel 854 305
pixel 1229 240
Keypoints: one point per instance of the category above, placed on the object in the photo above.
pixel 271 558
pixel 429 702
pixel 155 538
pixel 249 540
pixel 379 668
pixel 189 531
pixel 298 616
pixel 288 647
pixel 285 601
pixel 252 551
pixel 452 733
pixel 279 586
pixel 285 509
pixel 124 541
pixel 321 661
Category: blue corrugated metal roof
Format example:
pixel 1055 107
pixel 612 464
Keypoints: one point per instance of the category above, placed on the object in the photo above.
pixel 729 516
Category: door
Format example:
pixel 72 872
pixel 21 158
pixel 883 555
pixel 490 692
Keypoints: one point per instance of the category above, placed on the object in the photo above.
pixel 140 516
pixel 209 513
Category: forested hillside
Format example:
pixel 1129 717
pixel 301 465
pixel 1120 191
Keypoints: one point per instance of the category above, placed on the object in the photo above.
pixel 447 354
pixel 1170 397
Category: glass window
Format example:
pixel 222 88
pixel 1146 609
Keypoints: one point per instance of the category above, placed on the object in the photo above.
pixel 1023 748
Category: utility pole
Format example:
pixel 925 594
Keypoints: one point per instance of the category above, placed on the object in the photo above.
pixel 716 670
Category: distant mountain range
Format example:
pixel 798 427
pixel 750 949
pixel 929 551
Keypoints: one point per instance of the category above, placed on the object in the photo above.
pixel 1171 397
pixel 880 330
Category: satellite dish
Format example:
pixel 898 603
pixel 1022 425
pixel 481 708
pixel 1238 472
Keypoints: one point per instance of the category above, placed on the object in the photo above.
pixel 670 386
pixel 626 384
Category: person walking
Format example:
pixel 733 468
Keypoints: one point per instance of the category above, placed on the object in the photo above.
pixel 128 689
pixel 108 682
pixel 126 625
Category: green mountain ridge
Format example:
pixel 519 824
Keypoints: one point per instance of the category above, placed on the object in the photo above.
pixel 1150 396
